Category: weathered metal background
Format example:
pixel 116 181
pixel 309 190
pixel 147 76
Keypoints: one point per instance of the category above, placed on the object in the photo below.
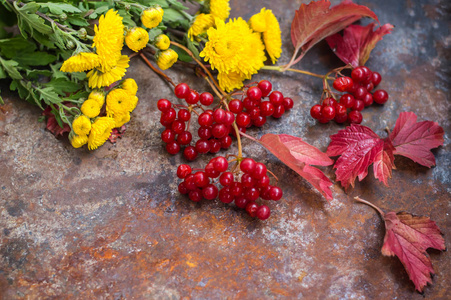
pixel 109 224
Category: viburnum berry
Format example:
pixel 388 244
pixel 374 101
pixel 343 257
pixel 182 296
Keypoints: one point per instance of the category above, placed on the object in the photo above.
pixel 243 119
pixel 251 208
pixel 225 195
pixel 202 146
pixel 182 188
pixel 369 86
pixel 275 193
pixel 241 201
pixel 219 130
pixel 236 106
pixel 226 179
pixel 279 111
pixel 358 74
pixel 254 93
pixel 247 165
pixel 265 87
pixel 184 138
pixel 181 90
pixel 178 126
pixel 190 153
pixel 368 75
pixel 360 93
pixel 376 78
pixel 262 182
pixel 347 100
pixel 172 148
pixel 205 119
pixel 206 98
pixel 204 132
pixel 215 146
pixel 220 163
pixel 367 99
pixel 341 118
pixel 328 112
pixel 342 84
pixel 183 170
pixel 259 121
pixel 263 212
pixel 219 115
pixel 168 135
pixel 254 112
pixel 201 179
pixel 211 171
pixel 229 118
pixel 195 195
pixel 315 111
pixel 236 188
pixel 287 103
pixel 251 193
pixel 329 102
pixel 184 115
pixel 380 96
pixel 247 181
pixel 266 108
pixel 276 97
pixel 210 192
pixel 192 97
pixel 226 142
pixel 355 117
pixel 163 105
pixel 358 105
pixel 259 171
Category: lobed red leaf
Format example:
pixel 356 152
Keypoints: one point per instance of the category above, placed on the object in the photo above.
pixel 408 237
pixel 415 140
pixel 316 20
pixel 298 155
pixel 355 45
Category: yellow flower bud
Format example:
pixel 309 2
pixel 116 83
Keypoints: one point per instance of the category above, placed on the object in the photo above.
pixel 90 108
pixel 137 38
pixel 151 17
pixel 166 59
pixel 162 42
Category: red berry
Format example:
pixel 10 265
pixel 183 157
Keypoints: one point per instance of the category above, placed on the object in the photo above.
pixel 226 179
pixel 275 193
pixel 259 121
pixel 360 93
pixel 229 118
pixel 184 138
pixel 328 112
pixel 189 182
pixel 211 171
pixel 201 179
pixel 182 188
pixel 263 212
pixel 192 97
pixel 236 188
pixel 215 145
pixel 247 165
pixel 315 111
pixel 267 108
pixel 220 163
pixel 367 99
pixel 168 136
pixel 168 117
pixel 254 93
pixel 204 132
pixel 358 105
pixel 342 84
pixel 195 195
pixel 236 106
pixel 219 115
pixel 241 201
pixel 184 115
pixel 276 97
pixel 341 118
pixel 183 170
pixel 181 90
pixel 247 181
pixel 347 100
pixel 172 148
pixel 190 153
pixel 355 117
pixel 206 98
pixel 358 74
pixel 323 120
pixel 163 105
pixel 259 171
pixel 243 119
pixel 251 208
pixel 225 195
pixel 251 193
pixel 287 103
pixel 279 111
pixel 178 126
pixel 368 75
pixel 226 142
pixel 264 192
pixel 219 130
pixel 262 182
pixel 202 146
pixel 329 102
pixel 376 79
pixel 369 87
pixel 354 88
pixel 210 192
pixel 340 109
pixel 254 112
pixel 205 119
pixel 380 96
pixel 265 87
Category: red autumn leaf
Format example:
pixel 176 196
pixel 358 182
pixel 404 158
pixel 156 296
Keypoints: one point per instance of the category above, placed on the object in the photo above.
pixel 415 140
pixel 52 124
pixel 298 155
pixel 408 237
pixel 359 147
pixel 357 42
pixel 116 133
pixel 316 20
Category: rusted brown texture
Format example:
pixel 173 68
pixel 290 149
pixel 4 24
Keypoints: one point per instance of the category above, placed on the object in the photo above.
pixel 110 224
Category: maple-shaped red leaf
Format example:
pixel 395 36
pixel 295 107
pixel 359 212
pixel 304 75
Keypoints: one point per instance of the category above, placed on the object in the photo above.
pixel 357 42
pixel 408 237
pixel 359 147
pixel 316 20
pixel 116 133
pixel 415 140
pixel 299 155
pixel 52 125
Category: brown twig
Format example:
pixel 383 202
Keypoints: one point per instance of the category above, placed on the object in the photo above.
pixel 166 77
pixel 357 198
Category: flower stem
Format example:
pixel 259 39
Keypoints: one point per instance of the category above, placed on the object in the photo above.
pixel 358 199
pixel 166 77
pixel 281 69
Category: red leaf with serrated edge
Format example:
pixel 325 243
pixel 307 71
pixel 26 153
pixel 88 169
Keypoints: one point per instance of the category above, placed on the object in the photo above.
pixel 52 125
pixel 408 237
pixel 297 154
pixel 359 147
pixel 384 162
pixel 316 20
pixel 415 140
pixel 357 42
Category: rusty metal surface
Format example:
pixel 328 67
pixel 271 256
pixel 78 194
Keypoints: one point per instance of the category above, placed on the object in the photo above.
pixel 110 224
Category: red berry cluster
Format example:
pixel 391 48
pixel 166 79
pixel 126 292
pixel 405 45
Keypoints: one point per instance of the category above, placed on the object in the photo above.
pixel 253 184
pixel 357 89
pixel 216 125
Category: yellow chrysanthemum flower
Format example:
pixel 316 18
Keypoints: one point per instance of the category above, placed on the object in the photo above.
pixel 90 108
pixel 231 81
pixel 258 22
pixel 137 38
pixel 272 35
pixel 130 86
pixel 81 62
pixel 78 141
pixel 109 39
pixel 201 25
pixel 98 79
pixel 121 119
pixel 81 125
pixel 118 102
pixel 234 47
pixel 133 103
pixel 100 132
pixel 162 42
pixel 166 59
pixel 219 8
pixel 151 17
pixel 98 96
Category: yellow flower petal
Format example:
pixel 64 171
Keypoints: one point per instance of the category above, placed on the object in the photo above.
pixel 98 79
pixel 137 38
pixel 78 141
pixel 100 132
pixel 81 62
pixel 162 42
pixel 151 17
pixel 201 24
pixel 130 86
pixel 166 59
pixel 98 96
pixel 118 102
pixel 90 108
pixel 121 119
pixel 220 8
pixel 81 125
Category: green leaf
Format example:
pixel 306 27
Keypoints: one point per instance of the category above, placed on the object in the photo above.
pixel 102 9
pixel 78 76
pixel 183 56
pixel 172 15
pixel 29 21
pixel 62 86
pixel 48 95
pixel 34 74
pixel 126 18
pixel 191 46
pixel 2 73
pixel 10 66
pixel 10 47
pixel 153 33
pixel 177 5
pixel 44 40
pixel 80 94
pixel 59 8
pixel 77 21
pixel 56 73
pixel 35 59
pixel 1 99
